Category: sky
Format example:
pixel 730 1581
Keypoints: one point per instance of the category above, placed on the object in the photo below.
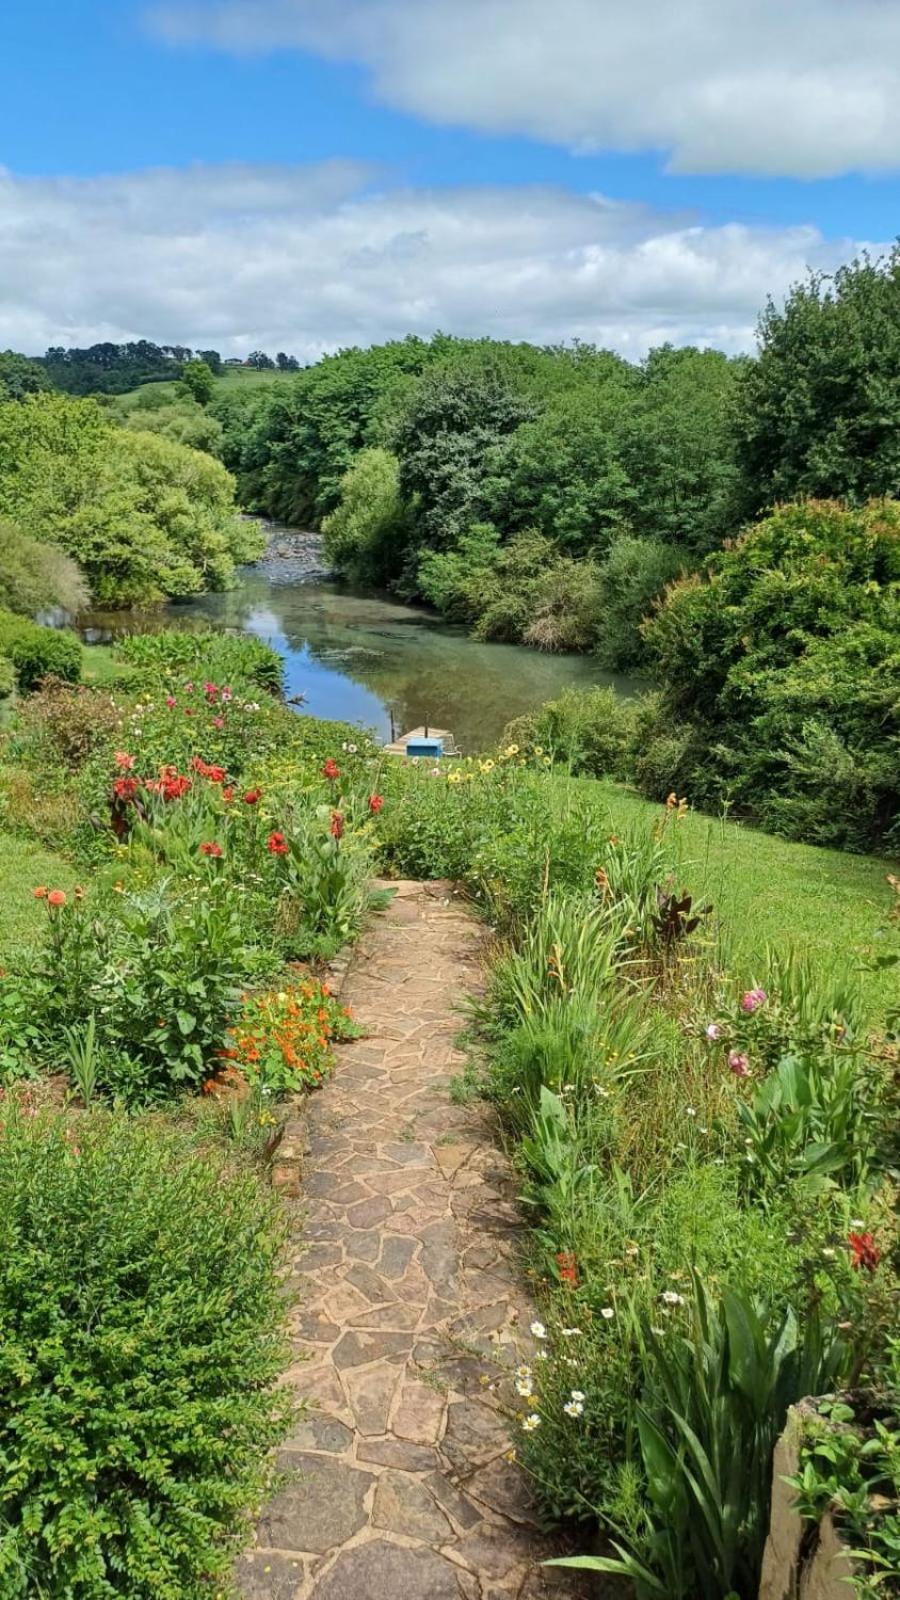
pixel 302 175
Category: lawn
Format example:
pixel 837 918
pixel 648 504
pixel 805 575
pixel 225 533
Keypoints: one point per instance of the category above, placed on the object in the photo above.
pixel 765 890
pixel 23 867
pixel 232 379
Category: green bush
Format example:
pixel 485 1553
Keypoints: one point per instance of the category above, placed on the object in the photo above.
pixel 37 577
pixel 7 677
pixel 38 652
pixel 222 658
pixel 143 516
pixel 591 730
pixel 367 534
pixel 785 663
pixel 633 574
pixel 142 1325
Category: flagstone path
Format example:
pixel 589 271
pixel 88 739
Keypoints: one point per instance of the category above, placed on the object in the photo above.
pixel 399 1482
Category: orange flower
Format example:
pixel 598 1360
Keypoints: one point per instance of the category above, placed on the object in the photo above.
pixel 41 893
pixel 56 897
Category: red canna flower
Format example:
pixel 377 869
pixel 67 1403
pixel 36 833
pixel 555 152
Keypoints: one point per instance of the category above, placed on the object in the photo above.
pixel 125 788
pixel 337 825
pixel 376 801
pixel 211 848
pixel 568 1268
pixel 56 897
pixel 252 797
pixel 864 1251
pixel 124 760
pixel 228 794
pixel 276 844
pixel 331 769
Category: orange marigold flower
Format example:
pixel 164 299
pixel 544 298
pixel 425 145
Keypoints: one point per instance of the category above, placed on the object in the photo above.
pixel 56 897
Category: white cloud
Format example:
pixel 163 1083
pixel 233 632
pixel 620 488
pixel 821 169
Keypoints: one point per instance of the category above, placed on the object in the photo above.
pixel 311 258
pixel 805 88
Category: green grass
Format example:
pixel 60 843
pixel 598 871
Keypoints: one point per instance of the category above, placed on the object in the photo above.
pixel 101 670
pixel 23 867
pixel 765 891
pixel 232 379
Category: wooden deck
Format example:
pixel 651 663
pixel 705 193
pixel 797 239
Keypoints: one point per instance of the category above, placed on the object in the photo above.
pixel 398 748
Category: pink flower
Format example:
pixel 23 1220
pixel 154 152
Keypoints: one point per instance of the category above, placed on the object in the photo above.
pixel 753 999
pixel 218 722
pixel 124 760
pixel 210 690
pixel 227 693
pixel 171 702
pixel 714 1030
pixel 739 1064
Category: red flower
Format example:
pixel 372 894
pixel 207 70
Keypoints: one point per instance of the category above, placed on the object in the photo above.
pixel 210 690
pixel 376 801
pixel 865 1251
pixel 337 825
pixel 41 893
pixel 171 702
pixel 57 897
pixel 125 788
pixel 568 1268
pixel 277 845
pixel 211 848
pixel 228 794
pixel 124 760
pixel 252 797
pixel 331 769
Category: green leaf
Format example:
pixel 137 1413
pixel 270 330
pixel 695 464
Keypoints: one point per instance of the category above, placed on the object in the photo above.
pixel 187 1022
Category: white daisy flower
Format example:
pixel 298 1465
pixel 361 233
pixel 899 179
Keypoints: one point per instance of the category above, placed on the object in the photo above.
pixel 539 1331
pixel 531 1422
pixel 570 1333
pixel 525 1388
pixel 669 1297
pixel 523 1372
pixel 607 1313
pixel 577 1395
pixel 574 1408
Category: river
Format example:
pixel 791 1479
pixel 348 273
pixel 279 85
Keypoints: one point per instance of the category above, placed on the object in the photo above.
pixel 363 658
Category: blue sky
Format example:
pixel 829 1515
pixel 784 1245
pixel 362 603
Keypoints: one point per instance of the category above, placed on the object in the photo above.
pixel 445 125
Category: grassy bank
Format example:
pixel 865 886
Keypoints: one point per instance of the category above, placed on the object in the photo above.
pixel 767 891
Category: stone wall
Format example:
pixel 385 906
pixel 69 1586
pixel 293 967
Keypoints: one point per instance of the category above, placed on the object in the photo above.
pixel 800 1563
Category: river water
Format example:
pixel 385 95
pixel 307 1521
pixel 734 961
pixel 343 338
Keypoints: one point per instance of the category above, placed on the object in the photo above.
pixel 362 658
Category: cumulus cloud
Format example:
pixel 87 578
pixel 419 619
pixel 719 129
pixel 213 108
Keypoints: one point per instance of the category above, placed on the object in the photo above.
pixel 310 258
pixel 805 88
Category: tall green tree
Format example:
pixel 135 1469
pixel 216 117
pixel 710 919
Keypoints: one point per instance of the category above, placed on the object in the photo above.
pixel 819 411
pixel 198 379
pixel 20 376
pixel 144 517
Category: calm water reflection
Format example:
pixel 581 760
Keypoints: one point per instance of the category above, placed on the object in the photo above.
pixel 360 657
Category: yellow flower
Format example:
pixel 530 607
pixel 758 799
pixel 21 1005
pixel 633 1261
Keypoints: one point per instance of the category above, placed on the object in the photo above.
pixel 454 777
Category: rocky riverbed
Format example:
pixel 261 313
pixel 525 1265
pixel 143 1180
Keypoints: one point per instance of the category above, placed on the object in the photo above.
pixel 292 555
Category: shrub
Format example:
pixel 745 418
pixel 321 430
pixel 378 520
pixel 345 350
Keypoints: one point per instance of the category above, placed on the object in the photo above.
pixel 216 656
pixel 591 730
pixel 142 1326
pixel 634 572
pixel 37 577
pixel 785 664
pixel 38 652
pixel 143 516
pixel 367 535
pixel 7 677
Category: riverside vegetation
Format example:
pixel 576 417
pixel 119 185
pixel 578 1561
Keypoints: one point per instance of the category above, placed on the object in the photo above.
pixel 706 1156
pixel 727 527
pixel 703 1114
